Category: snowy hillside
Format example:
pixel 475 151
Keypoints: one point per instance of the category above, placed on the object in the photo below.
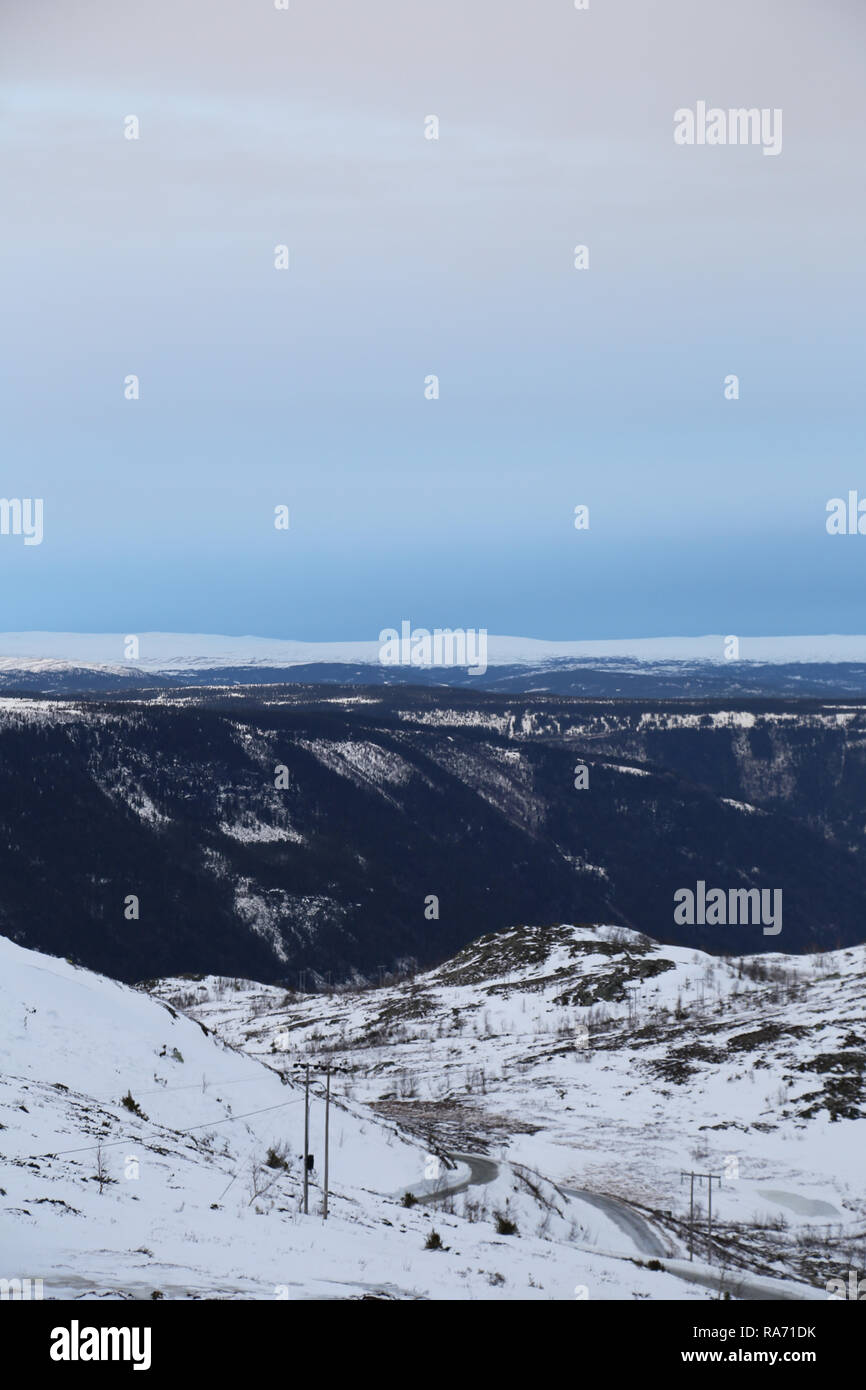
pixel 611 1064
pixel 141 1156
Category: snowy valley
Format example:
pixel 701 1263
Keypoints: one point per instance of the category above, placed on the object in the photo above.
pixel 611 1065
pixel 537 1096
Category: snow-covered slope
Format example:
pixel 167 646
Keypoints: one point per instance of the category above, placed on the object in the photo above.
pixel 140 1156
pixel 612 1064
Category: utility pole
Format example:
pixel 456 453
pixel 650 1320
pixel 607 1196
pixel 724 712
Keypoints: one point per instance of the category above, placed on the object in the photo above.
pixel 710 1178
pixel 633 991
pixel 306 1139
pixel 691 1177
pixel 327 1123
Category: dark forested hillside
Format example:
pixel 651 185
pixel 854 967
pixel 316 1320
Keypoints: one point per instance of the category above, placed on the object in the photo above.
pixel 277 829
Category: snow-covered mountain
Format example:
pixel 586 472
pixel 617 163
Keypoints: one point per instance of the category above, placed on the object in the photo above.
pixel 142 1156
pixel 611 1064
pixel 69 662
pixel 180 652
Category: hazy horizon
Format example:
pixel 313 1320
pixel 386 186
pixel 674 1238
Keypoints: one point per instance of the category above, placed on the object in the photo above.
pixel 603 387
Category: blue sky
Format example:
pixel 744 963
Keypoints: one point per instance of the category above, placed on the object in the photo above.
pixel 410 257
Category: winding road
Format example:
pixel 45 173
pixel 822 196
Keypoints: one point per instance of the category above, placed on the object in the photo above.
pixel 630 1222
pixel 641 1234
pixel 481 1171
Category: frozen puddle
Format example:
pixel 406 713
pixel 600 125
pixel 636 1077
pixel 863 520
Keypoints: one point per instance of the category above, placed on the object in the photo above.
pixel 803 1206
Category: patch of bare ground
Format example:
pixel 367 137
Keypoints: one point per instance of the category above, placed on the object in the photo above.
pixel 452 1124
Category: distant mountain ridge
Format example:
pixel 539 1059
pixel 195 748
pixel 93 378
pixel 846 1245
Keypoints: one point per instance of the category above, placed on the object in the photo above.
pixel 71 663
pixel 179 652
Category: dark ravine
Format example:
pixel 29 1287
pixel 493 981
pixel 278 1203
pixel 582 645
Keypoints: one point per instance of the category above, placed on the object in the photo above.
pixel 397 794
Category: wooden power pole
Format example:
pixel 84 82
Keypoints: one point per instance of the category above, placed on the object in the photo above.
pixel 327 1124
pixel 306 1140
pixel 710 1179
pixel 691 1178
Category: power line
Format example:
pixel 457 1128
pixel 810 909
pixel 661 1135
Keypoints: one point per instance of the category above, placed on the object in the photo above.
pixel 208 1124
pixel 194 1085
